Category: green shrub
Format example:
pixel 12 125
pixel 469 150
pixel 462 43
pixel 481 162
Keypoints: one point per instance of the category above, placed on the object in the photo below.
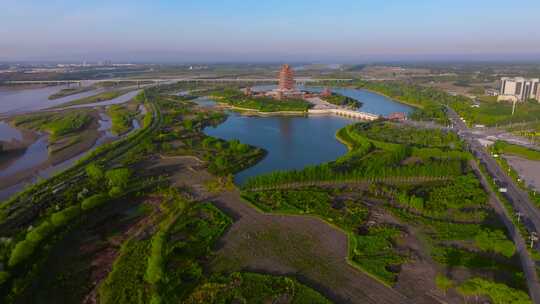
pixel 37 234
pixel 495 241
pixel 4 276
pixel 94 201
pixel 22 251
pixel 498 293
pixel 63 217
pixel 154 271
pixel 94 172
pixel 443 283
pixel 118 177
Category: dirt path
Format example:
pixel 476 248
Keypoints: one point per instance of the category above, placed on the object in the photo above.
pixel 302 246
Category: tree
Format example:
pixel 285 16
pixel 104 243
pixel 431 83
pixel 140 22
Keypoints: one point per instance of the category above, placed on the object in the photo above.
pixel 495 241
pixel 37 234
pixel 188 124
pixel 21 252
pixel 94 172
pixel 118 178
pixel 443 283
pixel 207 142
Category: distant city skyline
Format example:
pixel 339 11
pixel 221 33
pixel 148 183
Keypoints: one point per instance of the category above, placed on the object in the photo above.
pixel 269 31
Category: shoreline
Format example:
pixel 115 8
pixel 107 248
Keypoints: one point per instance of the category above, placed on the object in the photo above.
pixel 254 112
pixel 56 158
pixel 416 106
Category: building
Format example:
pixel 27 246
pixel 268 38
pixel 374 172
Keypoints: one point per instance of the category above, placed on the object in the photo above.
pixel 397 116
pixel 326 92
pixel 519 89
pixel 286 79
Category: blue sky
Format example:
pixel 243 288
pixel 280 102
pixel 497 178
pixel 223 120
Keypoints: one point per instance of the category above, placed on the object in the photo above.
pixel 268 30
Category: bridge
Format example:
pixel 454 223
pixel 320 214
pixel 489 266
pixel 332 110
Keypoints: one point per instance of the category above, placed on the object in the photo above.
pixel 169 80
pixel 345 113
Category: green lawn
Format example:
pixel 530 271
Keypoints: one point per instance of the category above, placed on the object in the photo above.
pixel 506 148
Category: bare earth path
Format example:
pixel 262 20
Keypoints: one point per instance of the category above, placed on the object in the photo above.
pixel 295 245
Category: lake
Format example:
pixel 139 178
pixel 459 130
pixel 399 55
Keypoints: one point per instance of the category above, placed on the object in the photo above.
pixel 296 142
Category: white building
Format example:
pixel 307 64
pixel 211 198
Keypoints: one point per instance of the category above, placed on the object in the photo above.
pixel 519 89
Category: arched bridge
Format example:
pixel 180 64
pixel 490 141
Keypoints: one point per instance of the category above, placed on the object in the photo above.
pixel 345 113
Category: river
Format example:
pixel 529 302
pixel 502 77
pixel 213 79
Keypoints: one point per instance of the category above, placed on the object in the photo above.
pixel 17 101
pixel 296 142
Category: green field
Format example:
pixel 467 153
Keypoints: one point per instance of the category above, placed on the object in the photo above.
pixel 497 113
pixel 502 147
pixel 95 98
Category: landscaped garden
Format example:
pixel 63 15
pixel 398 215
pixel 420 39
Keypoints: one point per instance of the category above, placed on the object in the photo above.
pixel 451 218
pixel 237 99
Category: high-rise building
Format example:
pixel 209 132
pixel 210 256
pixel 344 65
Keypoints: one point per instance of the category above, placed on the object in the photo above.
pixel 286 79
pixel 519 89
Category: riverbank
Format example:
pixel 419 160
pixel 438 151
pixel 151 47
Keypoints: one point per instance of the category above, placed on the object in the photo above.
pixel 104 96
pixel 13 149
pixel 253 112
pixel 395 99
pixel 43 152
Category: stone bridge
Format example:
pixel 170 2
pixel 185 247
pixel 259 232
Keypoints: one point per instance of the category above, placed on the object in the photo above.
pixel 345 113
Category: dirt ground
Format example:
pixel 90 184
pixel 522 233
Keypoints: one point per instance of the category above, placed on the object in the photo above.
pixel 528 170
pixel 301 246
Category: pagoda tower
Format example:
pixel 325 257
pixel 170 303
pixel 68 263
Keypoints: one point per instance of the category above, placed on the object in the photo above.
pixel 286 79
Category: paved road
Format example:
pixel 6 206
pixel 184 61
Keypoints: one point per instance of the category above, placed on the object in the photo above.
pixel 518 198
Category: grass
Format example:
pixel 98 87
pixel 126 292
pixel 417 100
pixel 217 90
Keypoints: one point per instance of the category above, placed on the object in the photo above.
pixel 372 251
pixel 125 283
pixel 95 98
pixel 237 99
pixel 70 91
pixel 121 118
pixel 254 288
pixel 502 147
pixel 498 113
pixel 56 124
pixel 341 100
pixel 375 253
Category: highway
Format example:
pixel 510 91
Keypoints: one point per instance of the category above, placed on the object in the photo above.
pixel 518 198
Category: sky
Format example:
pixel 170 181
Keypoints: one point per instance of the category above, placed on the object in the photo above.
pixel 268 30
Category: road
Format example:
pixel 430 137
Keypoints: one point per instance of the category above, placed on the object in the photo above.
pixel 169 80
pixel 518 198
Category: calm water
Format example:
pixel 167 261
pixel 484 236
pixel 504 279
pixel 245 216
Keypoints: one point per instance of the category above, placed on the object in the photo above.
pixel 14 101
pixel 8 133
pixel 372 102
pixel 296 142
